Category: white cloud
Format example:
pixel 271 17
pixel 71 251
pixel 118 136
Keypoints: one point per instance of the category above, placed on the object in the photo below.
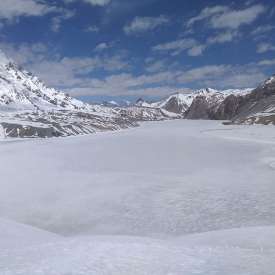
pixel 75 72
pixel 224 76
pixel 262 29
pixel 144 24
pixel 92 29
pixel 77 75
pixel 197 50
pixel 178 46
pixel 57 21
pixel 159 84
pixel 92 2
pixel 237 79
pixel 12 9
pixel 222 37
pixel 207 13
pixel 98 2
pixel 202 73
pixel 265 47
pixel 103 46
pixel 267 62
pixel 156 66
pixel 128 84
pixel 193 47
pixel 25 53
pixel 235 18
pixel 62 72
pixel 224 17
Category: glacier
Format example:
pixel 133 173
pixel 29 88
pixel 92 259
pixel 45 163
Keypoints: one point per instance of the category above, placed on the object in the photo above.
pixel 172 197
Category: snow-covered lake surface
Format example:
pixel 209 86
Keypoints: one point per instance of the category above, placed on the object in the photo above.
pixel 176 197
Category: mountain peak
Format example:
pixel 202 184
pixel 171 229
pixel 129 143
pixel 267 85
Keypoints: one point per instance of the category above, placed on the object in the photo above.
pixel 270 80
pixel 21 90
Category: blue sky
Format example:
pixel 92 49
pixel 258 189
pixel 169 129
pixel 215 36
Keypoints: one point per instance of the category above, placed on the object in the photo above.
pixel 98 49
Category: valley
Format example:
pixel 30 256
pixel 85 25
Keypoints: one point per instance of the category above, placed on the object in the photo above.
pixel 196 195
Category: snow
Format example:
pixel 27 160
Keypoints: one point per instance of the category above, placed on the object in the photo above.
pixel 14 235
pixel 270 80
pixel 186 98
pixel 175 197
pixel 20 90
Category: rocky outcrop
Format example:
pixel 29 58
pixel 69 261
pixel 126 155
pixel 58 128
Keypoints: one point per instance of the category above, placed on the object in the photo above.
pixel 258 106
pixel 223 106
pixel 64 123
pixel 15 130
pixel 205 106
pixel 228 108
pixel 136 113
pixel 175 105
pixel 199 109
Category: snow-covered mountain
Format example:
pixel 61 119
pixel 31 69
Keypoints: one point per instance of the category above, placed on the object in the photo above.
pixel 215 104
pixel 28 108
pixel 117 103
pixel 181 102
pixel 20 90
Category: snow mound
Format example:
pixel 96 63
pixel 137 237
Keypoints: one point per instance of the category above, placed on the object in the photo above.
pixel 15 235
pixel 121 255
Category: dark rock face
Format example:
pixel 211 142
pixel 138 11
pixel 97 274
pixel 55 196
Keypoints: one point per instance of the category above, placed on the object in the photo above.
pixel 265 120
pixel 173 105
pixel 255 107
pixel 26 131
pixel 258 106
pixel 140 102
pixel 199 109
pixel 206 107
pixel 229 107
pixel 68 123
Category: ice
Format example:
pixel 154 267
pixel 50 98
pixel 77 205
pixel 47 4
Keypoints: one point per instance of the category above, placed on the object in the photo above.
pixel 175 197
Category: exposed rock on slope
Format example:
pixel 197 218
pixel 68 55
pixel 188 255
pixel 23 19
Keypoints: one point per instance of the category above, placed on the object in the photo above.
pixel 176 103
pixel 147 113
pixel 259 106
pixel 60 123
pixel 229 107
pixel 201 104
pixel 20 90
pixel 205 105
pixel 217 105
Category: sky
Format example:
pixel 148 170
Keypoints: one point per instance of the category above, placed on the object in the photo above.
pixel 106 49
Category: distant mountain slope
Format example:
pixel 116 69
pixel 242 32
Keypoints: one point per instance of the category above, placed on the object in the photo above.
pixel 259 105
pixel 199 104
pixel 28 108
pixel 218 105
pixel 176 103
pixel 20 90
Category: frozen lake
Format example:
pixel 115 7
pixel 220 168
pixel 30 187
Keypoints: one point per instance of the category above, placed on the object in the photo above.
pixel 130 202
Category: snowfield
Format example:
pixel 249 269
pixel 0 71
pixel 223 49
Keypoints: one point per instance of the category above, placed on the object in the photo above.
pixel 175 197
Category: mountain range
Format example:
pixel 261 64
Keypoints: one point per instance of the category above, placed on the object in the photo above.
pixel 237 106
pixel 28 108
pixel 183 103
